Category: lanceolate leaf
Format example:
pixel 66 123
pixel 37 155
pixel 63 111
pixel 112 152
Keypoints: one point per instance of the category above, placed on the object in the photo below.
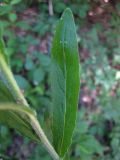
pixel 65 82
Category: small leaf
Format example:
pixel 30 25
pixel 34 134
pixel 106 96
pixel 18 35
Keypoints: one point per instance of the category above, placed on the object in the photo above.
pixel 29 65
pixel 5 9
pixel 12 17
pixel 22 82
pixel 38 75
pixel 65 82
pixel 13 2
pixel 89 145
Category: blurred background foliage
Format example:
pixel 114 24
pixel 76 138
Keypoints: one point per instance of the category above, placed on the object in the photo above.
pixel 28 27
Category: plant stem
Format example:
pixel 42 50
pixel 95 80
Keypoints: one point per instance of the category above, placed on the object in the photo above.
pixel 7 77
pixel 44 139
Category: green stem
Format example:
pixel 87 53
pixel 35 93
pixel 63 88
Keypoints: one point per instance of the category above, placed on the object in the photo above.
pixel 7 77
pixel 44 139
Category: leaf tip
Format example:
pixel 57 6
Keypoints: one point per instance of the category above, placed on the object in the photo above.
pixel 67 12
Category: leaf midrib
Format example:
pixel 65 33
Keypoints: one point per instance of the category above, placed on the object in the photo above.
pixel 64 42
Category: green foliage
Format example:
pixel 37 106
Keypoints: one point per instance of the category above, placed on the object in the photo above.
pixel 10 115
pixel 84 143
pixel 21 117
pixel 98 36
pixel 65 61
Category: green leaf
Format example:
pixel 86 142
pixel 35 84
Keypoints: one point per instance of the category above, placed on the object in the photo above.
pixel 24 120
pixel 22 82
pixel 65 82
pixel 5 9
pixel 38 75
pixel 13 2
pixel 89 145
pixel 12 17
pixel 18 117
pixel 29 65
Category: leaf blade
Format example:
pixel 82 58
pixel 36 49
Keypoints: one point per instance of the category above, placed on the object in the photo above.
pixel 10 115
pixel 64 82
